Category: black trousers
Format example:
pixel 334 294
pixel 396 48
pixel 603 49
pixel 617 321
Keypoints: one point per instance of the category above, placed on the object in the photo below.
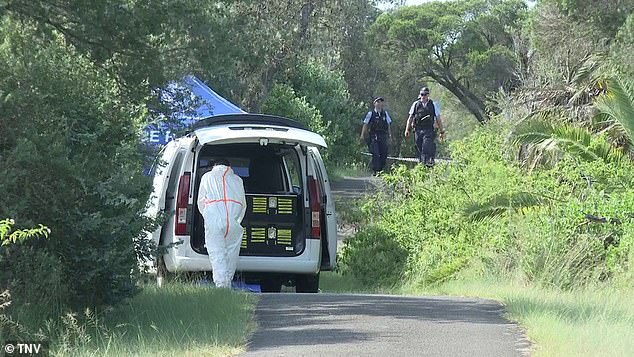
pixel 377 145
pixel 426 145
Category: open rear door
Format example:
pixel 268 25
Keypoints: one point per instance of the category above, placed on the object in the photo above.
pixel 162 170
pixel 248 128
pixel 329 228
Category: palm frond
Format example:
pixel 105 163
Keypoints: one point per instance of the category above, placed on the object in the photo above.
pixel 616 110
pixel 585 77
pixel 498 205
pixel 544 142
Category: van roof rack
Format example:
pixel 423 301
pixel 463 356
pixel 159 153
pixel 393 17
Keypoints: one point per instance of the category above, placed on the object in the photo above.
pixel 262 119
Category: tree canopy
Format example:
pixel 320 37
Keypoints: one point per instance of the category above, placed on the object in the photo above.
pixel 465 46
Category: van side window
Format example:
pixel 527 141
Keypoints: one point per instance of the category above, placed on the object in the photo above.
pixel 291 162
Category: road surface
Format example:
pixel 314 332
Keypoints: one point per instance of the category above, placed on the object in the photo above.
pixel 379 325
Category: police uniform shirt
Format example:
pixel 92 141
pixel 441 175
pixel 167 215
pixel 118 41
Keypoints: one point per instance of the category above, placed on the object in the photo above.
pixel 413 108
pixel 369 116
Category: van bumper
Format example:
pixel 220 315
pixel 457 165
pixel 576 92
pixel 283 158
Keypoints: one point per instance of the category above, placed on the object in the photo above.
pixel 306 263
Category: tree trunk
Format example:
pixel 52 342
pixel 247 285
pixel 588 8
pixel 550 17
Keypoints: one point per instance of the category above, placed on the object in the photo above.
pixel 471 101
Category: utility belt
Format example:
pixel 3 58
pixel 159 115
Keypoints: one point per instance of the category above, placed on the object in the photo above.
pixel 376 135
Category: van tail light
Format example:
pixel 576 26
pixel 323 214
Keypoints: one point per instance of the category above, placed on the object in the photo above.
pixel 315 208
pixel 182 200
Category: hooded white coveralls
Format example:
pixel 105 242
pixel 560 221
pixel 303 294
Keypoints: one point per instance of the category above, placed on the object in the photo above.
pixel 222 203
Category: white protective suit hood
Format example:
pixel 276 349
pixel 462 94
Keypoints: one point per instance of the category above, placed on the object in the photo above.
pixel 222 203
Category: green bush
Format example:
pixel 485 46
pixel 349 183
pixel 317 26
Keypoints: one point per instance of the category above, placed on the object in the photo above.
pixel 284 101
pixel 373 257
pixel 70 160
pixel 566 226
pixel 319 98
pixel 30 281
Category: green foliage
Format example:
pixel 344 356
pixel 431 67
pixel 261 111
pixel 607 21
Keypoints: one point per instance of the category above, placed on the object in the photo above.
pixel 483 211
pixel 623 46
pixel 327 90
pixel 374 257
pixel 71 161
pixel 500 204
pixel 605 16
pixel 319 98
pixel 465 46
pixel 29 277
pixel 10 236
pixel 285 102
pixel 544 142
pixel 616 112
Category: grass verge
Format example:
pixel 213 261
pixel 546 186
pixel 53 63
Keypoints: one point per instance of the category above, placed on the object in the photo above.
pixel 176 320
pixel 592 322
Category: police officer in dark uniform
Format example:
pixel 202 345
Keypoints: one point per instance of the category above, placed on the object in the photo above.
pixel 424 118
pixel 376 133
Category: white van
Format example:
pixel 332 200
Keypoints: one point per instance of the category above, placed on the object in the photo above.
pixel 290 225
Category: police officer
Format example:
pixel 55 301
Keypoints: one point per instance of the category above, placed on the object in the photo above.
pixel 424 116
pixel 377 124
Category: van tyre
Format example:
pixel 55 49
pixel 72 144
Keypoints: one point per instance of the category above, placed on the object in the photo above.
pixel 271 285
pixel 307 283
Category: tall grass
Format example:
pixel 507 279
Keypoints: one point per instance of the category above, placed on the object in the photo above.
pixel 176 320
pixel 582 322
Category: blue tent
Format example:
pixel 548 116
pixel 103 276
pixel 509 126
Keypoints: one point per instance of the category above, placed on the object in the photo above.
pixel 219 105
pixel 212 104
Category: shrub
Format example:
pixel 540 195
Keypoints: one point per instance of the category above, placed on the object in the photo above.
pixel 374 257
pixel 565 226
pixel 70 160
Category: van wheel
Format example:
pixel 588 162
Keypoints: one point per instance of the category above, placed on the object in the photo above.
pixel 307 283
pixel 271 285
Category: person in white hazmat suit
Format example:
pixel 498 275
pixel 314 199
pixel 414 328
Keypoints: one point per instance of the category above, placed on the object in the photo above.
pixel 222 203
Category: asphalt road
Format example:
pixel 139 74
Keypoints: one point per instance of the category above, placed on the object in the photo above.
pixel 379 325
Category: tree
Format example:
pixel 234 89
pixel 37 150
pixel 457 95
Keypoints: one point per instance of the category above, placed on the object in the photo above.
pixel 71 161
pixel 465 46
pixel 605 16
pixel 319 98
pixel 623 47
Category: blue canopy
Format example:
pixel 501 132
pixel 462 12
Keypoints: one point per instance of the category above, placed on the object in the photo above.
pixel 212 104
pixel 217 104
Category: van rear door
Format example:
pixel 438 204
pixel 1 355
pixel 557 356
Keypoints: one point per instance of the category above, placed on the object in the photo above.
pixel 328 219
pixel 258 132
pixel 162 169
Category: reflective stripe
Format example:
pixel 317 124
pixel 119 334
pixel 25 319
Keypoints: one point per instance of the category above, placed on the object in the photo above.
pixel 224 188
pixel 226 200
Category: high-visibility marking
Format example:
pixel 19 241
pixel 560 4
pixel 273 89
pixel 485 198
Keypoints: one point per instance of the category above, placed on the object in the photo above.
pixel 260 205
pixel 284 237
pixel 285 206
